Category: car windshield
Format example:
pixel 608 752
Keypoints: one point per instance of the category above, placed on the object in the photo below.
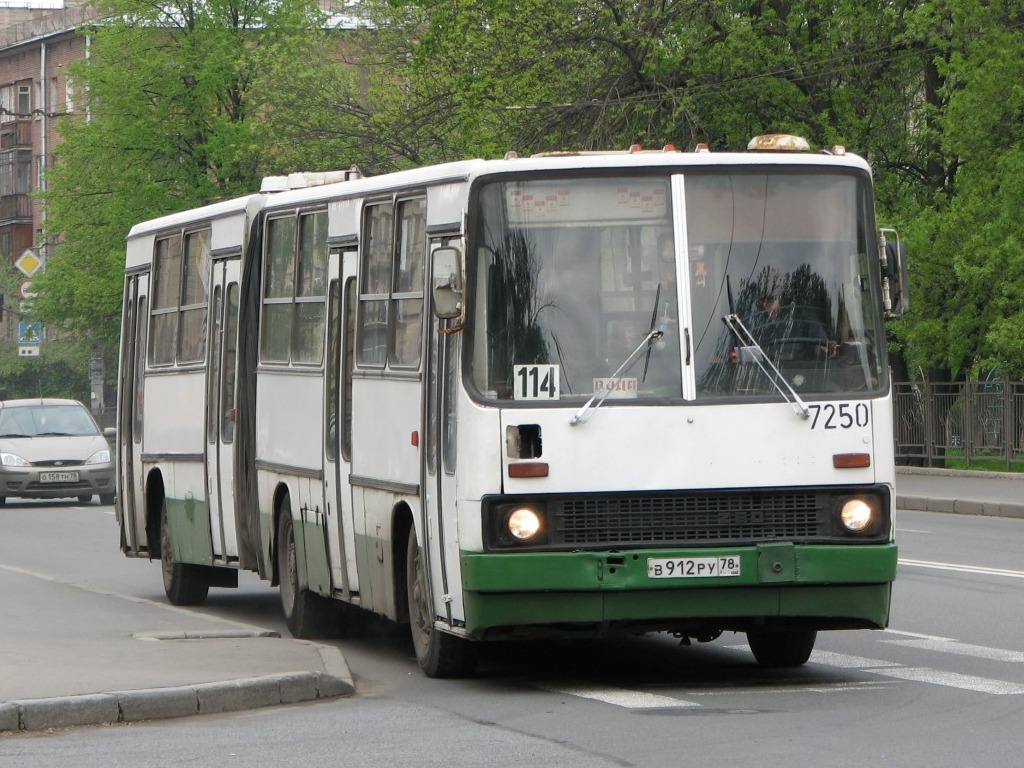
pixel 38 420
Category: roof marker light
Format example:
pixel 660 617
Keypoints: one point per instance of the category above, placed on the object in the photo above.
pixel 778 142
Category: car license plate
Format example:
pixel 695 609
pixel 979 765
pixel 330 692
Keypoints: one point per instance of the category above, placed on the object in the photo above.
pixel 58 477
pixel 693 567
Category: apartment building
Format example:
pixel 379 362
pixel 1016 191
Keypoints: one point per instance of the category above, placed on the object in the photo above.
pixel 38 39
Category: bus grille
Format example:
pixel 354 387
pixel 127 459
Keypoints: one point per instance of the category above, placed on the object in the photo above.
pixel 637 520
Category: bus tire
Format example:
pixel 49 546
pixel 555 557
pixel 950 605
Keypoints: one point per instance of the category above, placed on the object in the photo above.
pixel 787 648
pixel 184 583
pixel 305 612
pixel 439 654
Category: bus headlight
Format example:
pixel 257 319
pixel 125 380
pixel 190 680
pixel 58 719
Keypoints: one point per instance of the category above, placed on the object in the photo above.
pixel 524 524
pixel 860 514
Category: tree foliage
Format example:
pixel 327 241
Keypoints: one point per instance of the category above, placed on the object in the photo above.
pixel 189 103
pixel 173 99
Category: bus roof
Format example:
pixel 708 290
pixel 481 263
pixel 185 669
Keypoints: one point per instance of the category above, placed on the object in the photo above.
pixel 346 184
pixel 468 170
pixel 248 204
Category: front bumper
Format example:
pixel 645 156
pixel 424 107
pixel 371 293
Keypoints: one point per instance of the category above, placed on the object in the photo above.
pixel 814 586
pixel 25 483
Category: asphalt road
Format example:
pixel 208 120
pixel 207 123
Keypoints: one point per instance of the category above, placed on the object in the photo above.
pixel 944 686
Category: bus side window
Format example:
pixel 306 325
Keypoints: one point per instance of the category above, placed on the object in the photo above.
pixel 375 284
pixel 407 296
pixel 332 371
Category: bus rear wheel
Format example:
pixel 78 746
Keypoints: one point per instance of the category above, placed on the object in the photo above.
pixel 184 583
pixel 439 654
pixel 306 613
pixel 785 648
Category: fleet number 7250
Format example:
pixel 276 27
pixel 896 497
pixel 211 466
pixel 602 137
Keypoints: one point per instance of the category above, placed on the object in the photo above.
pixel 839 415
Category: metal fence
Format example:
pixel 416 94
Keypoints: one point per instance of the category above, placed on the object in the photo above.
pixel 977 424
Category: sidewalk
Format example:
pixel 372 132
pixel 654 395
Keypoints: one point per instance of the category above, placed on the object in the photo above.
pixel 968 492
pixel 152 661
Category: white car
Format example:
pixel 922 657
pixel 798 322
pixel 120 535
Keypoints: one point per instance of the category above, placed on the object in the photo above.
pixel 52 449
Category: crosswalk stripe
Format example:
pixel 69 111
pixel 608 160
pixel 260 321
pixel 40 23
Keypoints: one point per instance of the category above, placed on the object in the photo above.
pixel 848 662
pixel 945 645
pixel 620 697
pixel 952 680
pixel 976 569
pixel 917 674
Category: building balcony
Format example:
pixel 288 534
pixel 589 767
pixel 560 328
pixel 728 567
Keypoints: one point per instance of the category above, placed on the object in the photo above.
pixel 16 134
pixel 15 209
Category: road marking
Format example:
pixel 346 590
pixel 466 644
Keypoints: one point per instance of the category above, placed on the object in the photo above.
pixel 923 674
pixel 620 697
pixel 848 662
pixel 952 680
pixel 976 569
pixel 949 645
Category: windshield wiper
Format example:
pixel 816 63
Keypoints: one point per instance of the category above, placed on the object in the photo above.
pixel 746 339
pixel 583 413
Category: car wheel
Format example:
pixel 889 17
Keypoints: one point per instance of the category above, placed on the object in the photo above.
pixel 107 498
pixel 84 498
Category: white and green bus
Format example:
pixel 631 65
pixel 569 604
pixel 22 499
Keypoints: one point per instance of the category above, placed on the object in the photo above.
pixel 577 394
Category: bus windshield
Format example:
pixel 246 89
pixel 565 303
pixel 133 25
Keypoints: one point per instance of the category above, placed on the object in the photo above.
pixel 571 275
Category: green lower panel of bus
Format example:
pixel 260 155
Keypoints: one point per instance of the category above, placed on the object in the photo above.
pixel 189 521
pixel 826 586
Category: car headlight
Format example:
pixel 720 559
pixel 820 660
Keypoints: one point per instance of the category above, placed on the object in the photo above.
pixel 100 457
pixel 860 514
pixel 13 460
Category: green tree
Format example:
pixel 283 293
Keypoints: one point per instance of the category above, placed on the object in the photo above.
pixel 173 101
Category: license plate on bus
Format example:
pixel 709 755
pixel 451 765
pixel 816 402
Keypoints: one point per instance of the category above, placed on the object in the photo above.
pixel 693 567
pixel 58 477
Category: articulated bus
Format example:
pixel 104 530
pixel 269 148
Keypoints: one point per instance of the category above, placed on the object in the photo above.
pixel 572 395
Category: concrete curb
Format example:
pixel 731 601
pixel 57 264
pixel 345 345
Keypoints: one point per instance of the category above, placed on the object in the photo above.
pixel 962 506
pixel 182 701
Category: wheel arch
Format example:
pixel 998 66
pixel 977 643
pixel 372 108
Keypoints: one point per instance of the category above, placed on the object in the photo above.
pixel 281 492
pixel 402 524
pixel 155 494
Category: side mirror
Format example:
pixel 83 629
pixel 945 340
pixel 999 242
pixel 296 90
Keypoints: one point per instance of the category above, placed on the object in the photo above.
pixel 447 283
pixel 893 258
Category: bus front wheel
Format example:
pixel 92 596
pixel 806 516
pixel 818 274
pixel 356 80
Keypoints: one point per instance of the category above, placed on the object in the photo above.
pixel 439 654
pixel 184 583
pixel 786 648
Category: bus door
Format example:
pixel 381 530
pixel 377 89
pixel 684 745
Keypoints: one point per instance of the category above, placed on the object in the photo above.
pixel 130 506
pixel 341 323
pixel 439 507
pixel 220 413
